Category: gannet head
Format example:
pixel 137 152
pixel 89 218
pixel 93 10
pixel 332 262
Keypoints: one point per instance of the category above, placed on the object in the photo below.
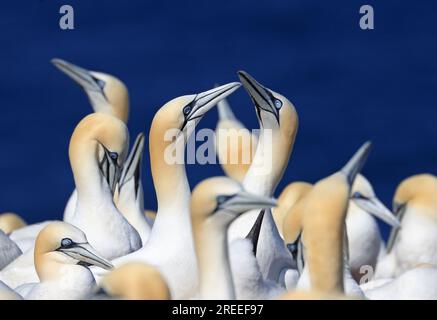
pixel 103 137
pixel 60 243
pixel 273 109
pixel 419 191
pixel 183 113
pixel 224 199
pixel 288 198
pixel 324 213
pixel 107 94
pixel 363 197
pixel 135 281
pixel 10 221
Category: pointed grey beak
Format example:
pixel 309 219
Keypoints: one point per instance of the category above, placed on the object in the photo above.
pixel 132 166
pixel 224 110
pixel 399 210
pixel 356 163
pixel 243 201
pixel 253 234
pixel 80 75
pixel 110 170
pixel 86 255
pixel 262 97
pixel 204 101
pixel 375 207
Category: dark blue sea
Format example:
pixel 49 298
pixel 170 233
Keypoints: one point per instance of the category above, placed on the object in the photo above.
pixel 348 85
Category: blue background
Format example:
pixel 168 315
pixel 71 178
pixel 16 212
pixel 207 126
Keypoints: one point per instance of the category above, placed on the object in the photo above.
pixel 348 85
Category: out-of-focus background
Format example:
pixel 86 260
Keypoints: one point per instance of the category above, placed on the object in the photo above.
pixel 348 85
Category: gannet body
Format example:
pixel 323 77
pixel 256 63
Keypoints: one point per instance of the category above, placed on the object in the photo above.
pixel 364 236
pixel 170 245
pixel 215 203
pixel 278 122
pixel 62 253
pixel 414 284
pixel 6 293
pixel 323 228
pixel 100 136
pixel 415 242
pixel 20 271
pixel 9 251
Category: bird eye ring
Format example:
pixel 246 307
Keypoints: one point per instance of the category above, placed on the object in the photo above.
pixel 221 199
pixel 278 104
pixel 113 155
pixel 66 242
pixel 186 110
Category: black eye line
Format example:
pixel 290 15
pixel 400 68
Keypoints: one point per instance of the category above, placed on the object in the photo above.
pixel 186 115
pixel 359 195
pixel 226 199
pixel 101 83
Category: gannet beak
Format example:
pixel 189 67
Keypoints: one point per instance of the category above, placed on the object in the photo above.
pixel 204 101
pixel 253 234
pixel 110 170
pixel 399 210
pixel 375 207
pixel 262 97
pixel 86 255
pixel 243 201
pixel 356 163
pixel 224 110
pixel 132 166
pixel 80 75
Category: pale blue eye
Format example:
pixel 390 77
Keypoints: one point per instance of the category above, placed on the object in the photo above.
pixel 278 104
pixel 186 110
pixel 113 155
pixel 221 199
pixel 66 242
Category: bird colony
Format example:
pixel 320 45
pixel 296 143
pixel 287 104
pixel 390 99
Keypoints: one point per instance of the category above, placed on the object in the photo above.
pixel 228 238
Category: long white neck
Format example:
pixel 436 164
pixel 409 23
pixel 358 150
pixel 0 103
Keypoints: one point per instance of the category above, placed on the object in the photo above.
pixel 215 276
pixel 92 189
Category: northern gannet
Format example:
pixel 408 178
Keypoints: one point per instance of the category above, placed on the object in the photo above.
pixel 215 203
pixel 100 136
pixel 134 281
pixel 170 244
pixel 10 222
pixel 415 243
pixel 130 196
pixel 288 198
pixel 235 145
pixel 364 237
pixel 106 93
pixel 62 257
pixel 9 251
pixel 323 228
pixel 278 121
